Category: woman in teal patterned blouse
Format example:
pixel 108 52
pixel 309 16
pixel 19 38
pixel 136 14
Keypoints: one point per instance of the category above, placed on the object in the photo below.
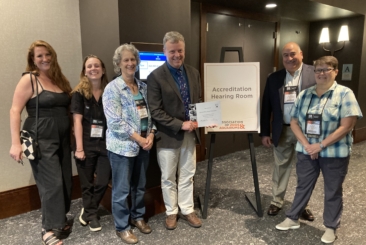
pixel 130 136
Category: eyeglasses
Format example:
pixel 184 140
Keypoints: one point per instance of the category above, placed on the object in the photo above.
pixel 319 71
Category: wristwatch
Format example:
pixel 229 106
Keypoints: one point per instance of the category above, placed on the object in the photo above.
pixel 321 146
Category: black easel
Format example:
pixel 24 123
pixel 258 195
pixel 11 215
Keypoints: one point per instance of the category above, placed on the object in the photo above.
pixel 255 203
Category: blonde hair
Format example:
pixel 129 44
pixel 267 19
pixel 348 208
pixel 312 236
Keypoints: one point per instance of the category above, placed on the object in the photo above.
pixel 85 87
pixel 54 72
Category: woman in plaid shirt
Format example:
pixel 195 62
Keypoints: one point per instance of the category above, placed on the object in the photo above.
pixel 323 118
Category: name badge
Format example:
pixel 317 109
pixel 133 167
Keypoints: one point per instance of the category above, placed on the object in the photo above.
pixel 96 129
pixel 142 111
pixel 290 94
pixel 313 125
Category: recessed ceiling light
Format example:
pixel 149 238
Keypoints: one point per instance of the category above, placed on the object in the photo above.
pixel 271 5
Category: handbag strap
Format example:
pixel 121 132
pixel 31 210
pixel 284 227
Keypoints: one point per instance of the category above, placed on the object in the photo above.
pixel 36 133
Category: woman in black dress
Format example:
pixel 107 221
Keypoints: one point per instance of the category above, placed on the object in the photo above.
pixel 89 128
pixel 52 168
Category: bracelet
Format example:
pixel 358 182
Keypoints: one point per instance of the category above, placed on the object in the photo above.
pixel 79 151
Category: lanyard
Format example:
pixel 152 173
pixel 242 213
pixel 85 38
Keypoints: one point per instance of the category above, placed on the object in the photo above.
pixel 307 112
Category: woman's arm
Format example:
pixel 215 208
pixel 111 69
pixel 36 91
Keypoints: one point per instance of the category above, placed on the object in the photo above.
pixel 347 124
pixel 301 137
pixel 78 131
pixel 112 106
pixel 139 139
pixel 298 132
pixel 23 92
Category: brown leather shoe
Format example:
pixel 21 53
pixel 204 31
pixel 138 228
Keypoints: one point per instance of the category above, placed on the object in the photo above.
pixel 142 226
pixel 307 215
pixel 127 236
pixel 273 210
pixel 193 220
pixel 171 222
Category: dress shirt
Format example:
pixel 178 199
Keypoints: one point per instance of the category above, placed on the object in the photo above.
pixel 290 80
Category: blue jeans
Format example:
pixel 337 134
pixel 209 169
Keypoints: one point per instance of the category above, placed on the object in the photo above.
pixel 128 173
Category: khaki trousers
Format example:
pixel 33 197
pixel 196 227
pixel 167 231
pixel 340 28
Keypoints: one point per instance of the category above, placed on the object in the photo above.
pixel 179 163
pixel 284 157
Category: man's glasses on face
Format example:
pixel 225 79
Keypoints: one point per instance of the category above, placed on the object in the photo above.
pixel 326 70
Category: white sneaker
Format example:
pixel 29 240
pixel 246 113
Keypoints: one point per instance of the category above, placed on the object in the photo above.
pixel 288 224
pixel 329 236
pixel 83 222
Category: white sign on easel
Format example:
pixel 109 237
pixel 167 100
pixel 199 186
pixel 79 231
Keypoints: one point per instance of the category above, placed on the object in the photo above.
pixel 236 86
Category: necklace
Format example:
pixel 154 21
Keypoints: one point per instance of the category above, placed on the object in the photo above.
pixel 133 87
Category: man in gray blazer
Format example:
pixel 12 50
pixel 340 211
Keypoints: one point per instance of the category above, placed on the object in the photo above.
pixel 281 90
pixel 170 90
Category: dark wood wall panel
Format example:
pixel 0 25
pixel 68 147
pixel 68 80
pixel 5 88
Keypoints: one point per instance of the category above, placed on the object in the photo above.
pixel 294 31
pixel 25 199
pixel 148 21
pixel 350 54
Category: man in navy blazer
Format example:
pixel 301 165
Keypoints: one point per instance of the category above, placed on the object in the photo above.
pixel 170 89
pixel 276 106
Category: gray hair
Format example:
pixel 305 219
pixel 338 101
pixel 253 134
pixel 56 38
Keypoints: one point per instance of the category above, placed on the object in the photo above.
pixel 173 37
pixel 118 56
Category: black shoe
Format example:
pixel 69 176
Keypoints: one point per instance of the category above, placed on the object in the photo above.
pixel 307 215
pixel 94 225
pixel 273 210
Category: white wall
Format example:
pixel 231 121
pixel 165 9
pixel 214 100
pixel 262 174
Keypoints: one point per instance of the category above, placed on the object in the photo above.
pixel 22 22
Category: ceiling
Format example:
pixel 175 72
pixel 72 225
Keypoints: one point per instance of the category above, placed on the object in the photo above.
pixel 303 10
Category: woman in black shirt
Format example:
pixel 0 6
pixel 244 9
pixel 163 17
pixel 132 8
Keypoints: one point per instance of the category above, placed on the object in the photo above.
pixel 89 129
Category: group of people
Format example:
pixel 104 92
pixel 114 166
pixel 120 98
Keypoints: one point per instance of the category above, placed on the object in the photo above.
pixel 116 123
pixel 110 127
pixel 312 118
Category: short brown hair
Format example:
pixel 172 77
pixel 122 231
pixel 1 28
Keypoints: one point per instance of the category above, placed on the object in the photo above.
pixel 327 60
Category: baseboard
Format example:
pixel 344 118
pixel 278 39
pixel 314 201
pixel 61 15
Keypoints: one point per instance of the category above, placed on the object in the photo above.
pixel 359 134
pixel 153 201
pixel 25 199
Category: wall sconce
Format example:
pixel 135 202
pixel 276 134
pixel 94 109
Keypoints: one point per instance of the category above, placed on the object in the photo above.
pixel 343 37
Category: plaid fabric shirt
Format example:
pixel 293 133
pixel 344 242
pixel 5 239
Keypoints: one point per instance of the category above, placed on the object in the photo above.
pixel 122 116
pixel 337 103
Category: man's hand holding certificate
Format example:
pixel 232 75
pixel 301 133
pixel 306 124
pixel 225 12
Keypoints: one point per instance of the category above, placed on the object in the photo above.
pixel 206 114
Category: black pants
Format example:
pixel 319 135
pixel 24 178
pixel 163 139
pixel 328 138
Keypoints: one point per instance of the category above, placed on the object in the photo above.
pixel 93 189
pixel 53 172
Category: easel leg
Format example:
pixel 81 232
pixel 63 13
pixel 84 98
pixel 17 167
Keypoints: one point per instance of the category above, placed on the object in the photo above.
pixel 204 207
pixel 256 204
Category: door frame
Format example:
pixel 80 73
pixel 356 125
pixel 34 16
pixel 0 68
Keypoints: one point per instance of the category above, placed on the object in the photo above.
pixel 216 9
